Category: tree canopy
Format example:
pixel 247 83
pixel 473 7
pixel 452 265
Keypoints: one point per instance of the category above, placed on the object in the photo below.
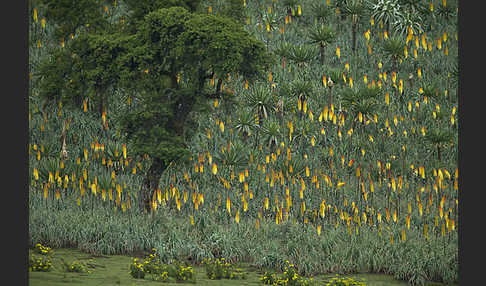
pixel 173 43
pixel 166 59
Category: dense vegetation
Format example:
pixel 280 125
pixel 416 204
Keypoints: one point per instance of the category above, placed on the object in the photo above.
pixel 319 132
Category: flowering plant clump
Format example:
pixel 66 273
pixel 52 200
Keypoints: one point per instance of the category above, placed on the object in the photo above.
pixel 75 266
pixel 161 277
pixel 137 269
pixel 290 277
pixel 151 264
pixel 181 272
pixel 221 269
pixel 269 279
pixel 43 250
pixel 42 263
pixel 344 281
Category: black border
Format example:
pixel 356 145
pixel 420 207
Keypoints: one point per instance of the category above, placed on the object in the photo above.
pixel 14 24
pixel 470 193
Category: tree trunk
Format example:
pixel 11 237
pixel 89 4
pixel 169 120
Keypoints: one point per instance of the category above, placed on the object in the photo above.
pixel 353 28
pixel 218 86
pixel 322 53
pixel 150 184
pixel 438 152
pixel 102 103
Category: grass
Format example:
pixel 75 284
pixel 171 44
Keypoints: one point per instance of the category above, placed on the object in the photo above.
pixel 113 270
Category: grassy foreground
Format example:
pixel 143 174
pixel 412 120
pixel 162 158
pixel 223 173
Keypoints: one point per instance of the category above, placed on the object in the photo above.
pixel 113 270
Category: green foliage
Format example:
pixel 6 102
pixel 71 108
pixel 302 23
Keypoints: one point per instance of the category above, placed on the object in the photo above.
pixel 221 269
pixel 290 277
pixel 137 269
pixel 323 35
pixel 42 263
pixel 234 9
pixel 139 8
pixel 87 66
pixel 149 131
pixel 69 16
pixel 386 12
pixel 150 265
pixel 218 45
pixel 75 266
pixel 43 250
pixel 181 272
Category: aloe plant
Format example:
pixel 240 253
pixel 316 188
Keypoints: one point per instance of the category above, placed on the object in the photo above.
pixel 322 36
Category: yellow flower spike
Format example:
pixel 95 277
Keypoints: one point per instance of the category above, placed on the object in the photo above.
pixel 424 42
pixel 338 51
pixel 228 205
pixel 35 15
pixel 221 126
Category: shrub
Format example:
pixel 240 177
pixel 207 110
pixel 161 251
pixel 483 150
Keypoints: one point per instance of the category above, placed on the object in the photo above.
pixel 290 277
pixel 75 266
pixel 40 263
pixel 221 269
pixel 181 272
pixel 43 250
pixel 137 269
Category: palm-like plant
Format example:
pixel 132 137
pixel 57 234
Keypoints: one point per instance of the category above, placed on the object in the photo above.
pixel 439 138
pixel 363 100
pixel 235 158
pixel 321 11
pixel 302 54
pixel 272 134
pixel 322 36
pixel 289 5
pixel 302 88
pixel 245 123
pixel 356 9
pixel 283 51
pixel 393 48
pixel 260 100
pixel 410 20
pixel 413 5
pixel 386 11
pixel 335 78
pixel 448 12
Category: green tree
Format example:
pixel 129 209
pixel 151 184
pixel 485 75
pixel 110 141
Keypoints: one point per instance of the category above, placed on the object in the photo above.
pixel 69 16
pixel 86 66
pixel 234 9
pixel 175 53
pixel 139 8
pixel 214 46
pixel 150 131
